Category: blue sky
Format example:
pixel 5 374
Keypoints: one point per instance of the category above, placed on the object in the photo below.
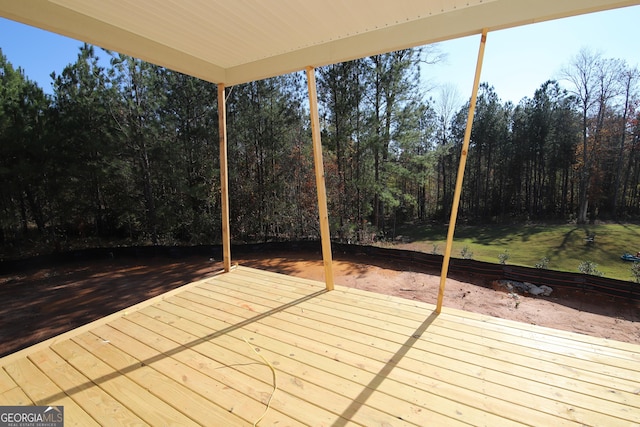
pixel 517 61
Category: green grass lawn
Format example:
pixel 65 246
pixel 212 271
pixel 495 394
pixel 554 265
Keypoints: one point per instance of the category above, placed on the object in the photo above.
pixel 563 245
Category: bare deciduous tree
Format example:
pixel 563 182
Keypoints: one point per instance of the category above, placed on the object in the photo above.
pixel 594 81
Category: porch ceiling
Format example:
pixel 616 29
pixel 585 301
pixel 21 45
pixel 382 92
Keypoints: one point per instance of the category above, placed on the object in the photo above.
pixel 237 41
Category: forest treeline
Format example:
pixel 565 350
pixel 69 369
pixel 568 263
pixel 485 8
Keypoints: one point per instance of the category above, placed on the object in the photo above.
pixel 129 150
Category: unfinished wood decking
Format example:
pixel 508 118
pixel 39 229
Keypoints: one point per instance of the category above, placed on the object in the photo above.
pixel 345 357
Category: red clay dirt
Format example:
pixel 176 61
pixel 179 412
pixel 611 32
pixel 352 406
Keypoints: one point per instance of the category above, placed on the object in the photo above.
pixel 41 303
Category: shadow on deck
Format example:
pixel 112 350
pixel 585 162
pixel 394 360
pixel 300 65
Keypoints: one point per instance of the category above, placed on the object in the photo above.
pixel 341 358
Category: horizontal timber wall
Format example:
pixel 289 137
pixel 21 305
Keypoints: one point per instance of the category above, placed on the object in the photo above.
pixel 396 258
pixel 489 271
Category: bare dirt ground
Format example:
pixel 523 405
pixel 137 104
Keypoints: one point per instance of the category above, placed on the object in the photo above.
pixel 41 303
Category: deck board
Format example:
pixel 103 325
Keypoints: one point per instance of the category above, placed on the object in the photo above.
pixel 95 401
pixel 41 390
pixel 514 395
pixel 342 358
pixel 416 363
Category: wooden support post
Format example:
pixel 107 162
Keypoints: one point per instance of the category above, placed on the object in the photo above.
pixel 460 177
pixel 224 178
pixel 325 235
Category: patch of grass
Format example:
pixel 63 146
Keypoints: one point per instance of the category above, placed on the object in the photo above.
pixel 564 246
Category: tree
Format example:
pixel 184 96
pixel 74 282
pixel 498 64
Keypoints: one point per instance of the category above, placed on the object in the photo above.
pixel 392 85
pixel 490 131
pixel 593 81
pixel 553 140
pixel 629 78
pixel 136 112
pixel 189 172
pixel 631 178
pixel 445 105
pixel 340 92
pixel 265 136
pixel 85 177
pixel 23 155
pixel 130 151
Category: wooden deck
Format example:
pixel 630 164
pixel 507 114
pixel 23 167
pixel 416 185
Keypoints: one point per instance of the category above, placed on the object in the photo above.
pixel 345 357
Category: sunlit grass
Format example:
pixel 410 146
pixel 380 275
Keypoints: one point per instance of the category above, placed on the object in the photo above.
pixel 565 246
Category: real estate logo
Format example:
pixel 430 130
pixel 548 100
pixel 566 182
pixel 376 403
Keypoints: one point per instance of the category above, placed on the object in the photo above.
pixel 31 416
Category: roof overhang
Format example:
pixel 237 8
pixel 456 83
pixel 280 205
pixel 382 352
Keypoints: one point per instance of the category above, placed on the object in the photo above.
pixel 237 41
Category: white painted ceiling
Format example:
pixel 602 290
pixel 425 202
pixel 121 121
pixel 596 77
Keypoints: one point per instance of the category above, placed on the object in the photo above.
pixel 236 41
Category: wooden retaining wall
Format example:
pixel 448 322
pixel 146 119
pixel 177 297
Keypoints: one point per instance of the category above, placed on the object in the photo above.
pixel 491 271
pixel 403 259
